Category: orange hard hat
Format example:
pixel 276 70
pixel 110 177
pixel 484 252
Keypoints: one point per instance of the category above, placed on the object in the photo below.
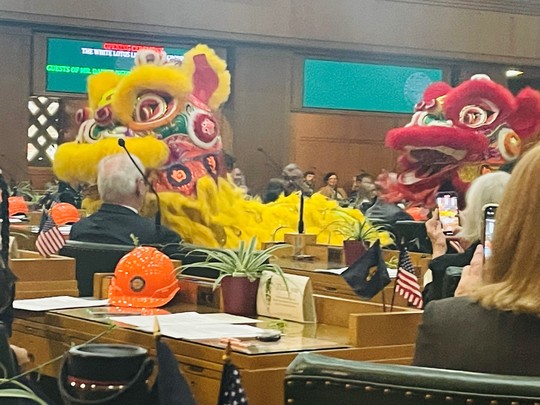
pixel 143 278
pixel 17 205
pixel 64 213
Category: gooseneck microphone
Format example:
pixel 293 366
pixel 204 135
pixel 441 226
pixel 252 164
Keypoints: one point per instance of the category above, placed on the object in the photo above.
pixel 122 144
pixel 270 159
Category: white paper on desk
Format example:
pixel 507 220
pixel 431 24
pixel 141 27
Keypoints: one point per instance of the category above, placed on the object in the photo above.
pixel 61 302
pixel 332 271
pixel 209 331
pixel 391 272
pixel 190 318
pixel 147 321
pixel 220 317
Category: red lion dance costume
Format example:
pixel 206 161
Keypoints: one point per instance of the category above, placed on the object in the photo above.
pixel 454 132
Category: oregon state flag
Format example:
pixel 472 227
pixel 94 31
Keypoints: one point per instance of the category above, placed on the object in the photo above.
pixel 368 275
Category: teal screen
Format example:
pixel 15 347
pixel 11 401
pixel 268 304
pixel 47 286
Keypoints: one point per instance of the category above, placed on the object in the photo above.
pixel 337 85
pixel 71 61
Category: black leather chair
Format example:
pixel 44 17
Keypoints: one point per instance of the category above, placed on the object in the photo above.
pixel 315 379
pixel 93 258
pixel 413 236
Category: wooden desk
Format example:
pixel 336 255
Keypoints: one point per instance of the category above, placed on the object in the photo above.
pixel 334 284
pixel 25 235
pixel 49 335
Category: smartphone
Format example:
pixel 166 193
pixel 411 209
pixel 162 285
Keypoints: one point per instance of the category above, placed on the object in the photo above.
pixel 447 203
pixel 489 228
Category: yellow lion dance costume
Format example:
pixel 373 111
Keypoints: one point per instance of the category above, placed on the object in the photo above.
pixel 166 114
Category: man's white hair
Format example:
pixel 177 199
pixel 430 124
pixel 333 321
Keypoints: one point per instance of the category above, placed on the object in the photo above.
pixel 117 177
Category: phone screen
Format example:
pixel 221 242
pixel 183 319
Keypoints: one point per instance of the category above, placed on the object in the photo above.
pixel 489 229
pixel 448 212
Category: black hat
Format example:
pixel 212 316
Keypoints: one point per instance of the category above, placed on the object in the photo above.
pixel 105 373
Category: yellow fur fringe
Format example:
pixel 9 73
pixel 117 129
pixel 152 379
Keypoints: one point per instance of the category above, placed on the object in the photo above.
pixel 169 79
pixel 78 162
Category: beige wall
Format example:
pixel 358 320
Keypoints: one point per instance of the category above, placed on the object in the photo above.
pixel 262 39
pixel 409 27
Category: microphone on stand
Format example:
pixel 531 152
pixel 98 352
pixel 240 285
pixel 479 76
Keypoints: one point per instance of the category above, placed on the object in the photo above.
pixel 301 214
pixel 122 144
pixel 274 164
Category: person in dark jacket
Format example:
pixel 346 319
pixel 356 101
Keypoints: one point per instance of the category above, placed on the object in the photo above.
pixel 122 189
pixel 495 327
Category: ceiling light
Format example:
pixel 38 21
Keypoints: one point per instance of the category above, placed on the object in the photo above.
pixel 513 73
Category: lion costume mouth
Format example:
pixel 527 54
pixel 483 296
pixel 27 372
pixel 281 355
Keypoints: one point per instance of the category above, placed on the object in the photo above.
pixel 427 163
pixel 429 153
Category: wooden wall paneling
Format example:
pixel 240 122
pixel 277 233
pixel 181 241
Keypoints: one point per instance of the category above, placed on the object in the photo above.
pixel 344 143
pixel 15 48
pixel 260 113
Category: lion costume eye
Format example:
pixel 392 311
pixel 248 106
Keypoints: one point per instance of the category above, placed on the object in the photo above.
pixel 475 116
pixel 150 107
pixel 88 132
pixel 509 144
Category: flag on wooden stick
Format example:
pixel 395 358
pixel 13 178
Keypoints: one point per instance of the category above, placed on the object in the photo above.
pixel 231 391
pixel 406 281
pixel 172 387
pixel 50 240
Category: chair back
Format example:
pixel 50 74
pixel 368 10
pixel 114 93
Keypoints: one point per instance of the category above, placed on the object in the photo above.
pixel 93 258
pixel 322 380
pixel 413 236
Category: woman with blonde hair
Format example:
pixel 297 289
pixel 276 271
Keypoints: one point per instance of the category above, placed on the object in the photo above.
pixel 496 327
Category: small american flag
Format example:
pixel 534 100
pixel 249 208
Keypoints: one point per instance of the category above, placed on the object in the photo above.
pixel 407 283
pixel 50 239
pixel 231 391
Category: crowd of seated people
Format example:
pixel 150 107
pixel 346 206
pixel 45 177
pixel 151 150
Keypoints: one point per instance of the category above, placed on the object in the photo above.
pixel 331 189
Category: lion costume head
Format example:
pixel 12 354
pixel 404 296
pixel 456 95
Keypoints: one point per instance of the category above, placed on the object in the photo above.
pixel 455 132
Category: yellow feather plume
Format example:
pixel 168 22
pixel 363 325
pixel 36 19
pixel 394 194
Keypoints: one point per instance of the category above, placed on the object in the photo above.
pixel 98 85
pixel 221 216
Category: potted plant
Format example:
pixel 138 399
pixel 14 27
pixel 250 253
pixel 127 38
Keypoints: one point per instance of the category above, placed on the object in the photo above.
pixel 358 234
pixel 239 273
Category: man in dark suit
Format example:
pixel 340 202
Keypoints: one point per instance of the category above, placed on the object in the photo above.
pixel 122 189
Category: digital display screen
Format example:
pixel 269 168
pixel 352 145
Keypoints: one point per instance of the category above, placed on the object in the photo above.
pixel 339 85
pixel 71 61
pixel 448 212
pixel 488 237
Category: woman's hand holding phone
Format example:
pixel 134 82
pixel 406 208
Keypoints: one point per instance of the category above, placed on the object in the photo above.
pixel 471 277
pixel 436 235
